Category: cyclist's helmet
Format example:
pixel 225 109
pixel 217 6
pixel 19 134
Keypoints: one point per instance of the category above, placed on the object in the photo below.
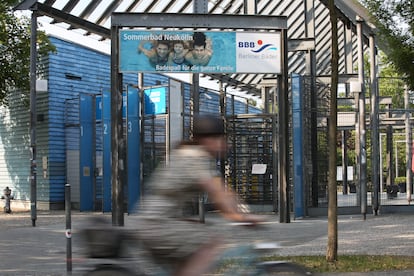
pixel 208 125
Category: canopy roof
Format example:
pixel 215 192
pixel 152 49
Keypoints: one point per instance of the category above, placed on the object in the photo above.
pixel 92 18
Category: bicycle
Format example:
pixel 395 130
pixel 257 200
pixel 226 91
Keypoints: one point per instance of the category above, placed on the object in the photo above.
pixel 105 246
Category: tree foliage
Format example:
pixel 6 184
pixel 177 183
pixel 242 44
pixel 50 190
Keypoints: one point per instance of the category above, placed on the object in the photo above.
pixel 395 22
pixel 15 50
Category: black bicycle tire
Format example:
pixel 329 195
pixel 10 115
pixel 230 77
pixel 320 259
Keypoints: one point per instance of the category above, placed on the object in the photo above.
pixel 110 270
pixel 284 268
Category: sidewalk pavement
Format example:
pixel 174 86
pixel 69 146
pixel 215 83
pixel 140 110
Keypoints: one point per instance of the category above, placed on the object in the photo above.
pixel 41 250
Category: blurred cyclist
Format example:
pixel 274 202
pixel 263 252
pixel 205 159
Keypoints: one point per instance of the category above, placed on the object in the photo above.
pixel 166 231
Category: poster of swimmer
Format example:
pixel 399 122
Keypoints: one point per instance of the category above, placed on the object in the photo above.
pixel 199 52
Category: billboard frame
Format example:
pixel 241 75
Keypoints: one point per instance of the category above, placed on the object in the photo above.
pixel 148 21
pixel 217 52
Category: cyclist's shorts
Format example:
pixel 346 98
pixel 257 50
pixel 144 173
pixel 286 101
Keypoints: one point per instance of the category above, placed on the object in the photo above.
pixel 171 241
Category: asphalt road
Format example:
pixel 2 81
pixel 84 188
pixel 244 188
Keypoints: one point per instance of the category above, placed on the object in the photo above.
pixel 41 250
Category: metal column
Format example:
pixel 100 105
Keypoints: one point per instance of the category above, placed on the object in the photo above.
pixel 374 127
pixel 362 125
pixel 283 150
pixel 311 71
pixel 118 141
pixel 33 117
pixel 200 7
pixel 409 145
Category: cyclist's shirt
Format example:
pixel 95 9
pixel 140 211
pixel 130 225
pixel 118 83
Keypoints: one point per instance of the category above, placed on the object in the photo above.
pixel 162 225
pixel 175 185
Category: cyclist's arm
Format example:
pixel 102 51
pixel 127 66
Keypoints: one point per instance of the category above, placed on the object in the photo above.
pixel 225 200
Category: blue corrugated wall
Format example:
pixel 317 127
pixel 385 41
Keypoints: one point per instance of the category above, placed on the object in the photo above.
pixel 72 70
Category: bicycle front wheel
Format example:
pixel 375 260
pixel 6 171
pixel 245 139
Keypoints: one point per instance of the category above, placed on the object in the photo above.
pixel 283 268
pixel 110 270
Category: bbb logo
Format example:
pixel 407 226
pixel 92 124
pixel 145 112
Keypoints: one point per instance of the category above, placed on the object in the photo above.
pixel 247 44
pixel 256 47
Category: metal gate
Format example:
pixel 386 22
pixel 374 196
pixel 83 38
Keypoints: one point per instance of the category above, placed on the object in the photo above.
pixel 315 141
pixel 155 142
pixel 249 169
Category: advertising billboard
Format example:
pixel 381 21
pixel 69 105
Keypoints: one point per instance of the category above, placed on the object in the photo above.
pixel 199 52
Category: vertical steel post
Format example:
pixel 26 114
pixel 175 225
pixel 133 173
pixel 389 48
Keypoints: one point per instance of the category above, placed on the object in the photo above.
pixel 283 146
pixel 275 158
pixel 390 156
pixel 142 131
pixel 362 124
pixel 314 126
pixel 357 147
pixel 201 7
pixel 223 98
pixel 408 145
pixel 348 70
pixel 268 103
pixel 235 183
pixel 344 163
pixel 33 117
pixel 375 153
pixel 68 228
pixel 311 72
pixel 118 141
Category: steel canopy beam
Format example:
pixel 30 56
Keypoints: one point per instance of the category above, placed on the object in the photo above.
pixel 343 78
pixel 74 21
pixel 210 21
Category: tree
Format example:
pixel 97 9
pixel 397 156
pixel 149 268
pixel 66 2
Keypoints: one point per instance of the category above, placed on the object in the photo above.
pixel 332 246
pixel 395 23
pixel 15 50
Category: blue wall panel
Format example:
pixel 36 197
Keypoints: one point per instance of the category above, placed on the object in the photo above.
pixel 133 148
pixel 70 74
pixel 106 131
pixel 86 154
pixel 73 70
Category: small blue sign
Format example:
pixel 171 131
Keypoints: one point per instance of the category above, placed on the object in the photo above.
pixel 155 100
pixel 98 108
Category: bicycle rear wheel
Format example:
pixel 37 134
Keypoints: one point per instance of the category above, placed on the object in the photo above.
pixel 283 268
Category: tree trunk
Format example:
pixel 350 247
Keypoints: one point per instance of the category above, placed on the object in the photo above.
pixel 332 246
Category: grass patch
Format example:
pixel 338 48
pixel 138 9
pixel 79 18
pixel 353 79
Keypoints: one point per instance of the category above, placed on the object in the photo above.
pixel 352 263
